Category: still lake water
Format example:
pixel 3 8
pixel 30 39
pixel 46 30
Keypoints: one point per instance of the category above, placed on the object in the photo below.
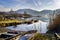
pixel 40 26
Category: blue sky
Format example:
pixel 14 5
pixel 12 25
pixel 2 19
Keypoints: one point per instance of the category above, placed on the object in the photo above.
pixel 6 5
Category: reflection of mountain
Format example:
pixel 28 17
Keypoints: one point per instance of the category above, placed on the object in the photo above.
pixel 34 26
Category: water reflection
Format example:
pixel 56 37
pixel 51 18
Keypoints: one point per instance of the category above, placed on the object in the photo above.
pixel 23 38
pixel 40 26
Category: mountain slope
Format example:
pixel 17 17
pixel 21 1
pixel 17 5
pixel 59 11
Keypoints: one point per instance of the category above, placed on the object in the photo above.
pixel 43 13
pixel 29 11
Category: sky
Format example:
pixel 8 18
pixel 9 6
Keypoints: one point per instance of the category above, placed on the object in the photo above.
pixel 7 5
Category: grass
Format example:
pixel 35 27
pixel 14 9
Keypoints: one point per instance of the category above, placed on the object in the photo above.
pixel 43 37
pixel 10 21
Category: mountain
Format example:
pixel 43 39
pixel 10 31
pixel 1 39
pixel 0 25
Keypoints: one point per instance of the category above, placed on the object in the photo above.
pixel 29 11
pixel 43 13
pixel 57 11
pixel 46 11
pixel 34 12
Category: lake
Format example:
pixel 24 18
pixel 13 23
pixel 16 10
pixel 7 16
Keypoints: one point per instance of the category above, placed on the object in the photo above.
pixel 40 26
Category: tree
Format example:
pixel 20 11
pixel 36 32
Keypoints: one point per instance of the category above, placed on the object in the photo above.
pixel 55 26
pixel 15 16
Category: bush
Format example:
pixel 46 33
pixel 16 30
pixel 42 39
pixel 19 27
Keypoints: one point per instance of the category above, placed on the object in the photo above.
pixel 55 26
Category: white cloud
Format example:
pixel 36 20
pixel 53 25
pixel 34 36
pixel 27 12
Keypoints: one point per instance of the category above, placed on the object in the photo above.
pixel 49 3
pixel 21 1
pixel 2 8
pixel 57 3
pixel 35 3
pixel 39 3
pixel 54 4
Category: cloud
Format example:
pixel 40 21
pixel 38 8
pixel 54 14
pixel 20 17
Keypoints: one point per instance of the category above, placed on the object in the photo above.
pixel 1 5
pixel 2 8
pixel 49 3
pixel 52 5
pixel 31 4
pixel 39 3
pixel 57 3
pixel 35 3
